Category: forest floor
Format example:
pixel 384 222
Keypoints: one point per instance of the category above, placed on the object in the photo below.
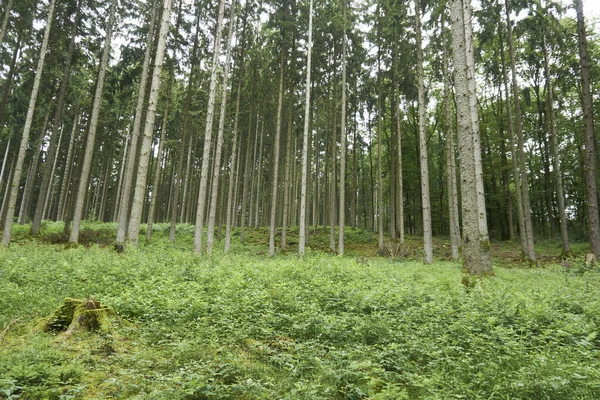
pixel 247 326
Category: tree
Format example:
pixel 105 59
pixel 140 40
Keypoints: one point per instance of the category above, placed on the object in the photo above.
pixel 12 200
pixel 475 242
pixel 302 238
pixel 424 160
pixel 342 207
pixel 89 148
pixel 590 140
pixel 208 133
pixel 125 197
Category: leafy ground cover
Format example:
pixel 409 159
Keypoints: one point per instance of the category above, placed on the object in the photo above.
pixel 246 326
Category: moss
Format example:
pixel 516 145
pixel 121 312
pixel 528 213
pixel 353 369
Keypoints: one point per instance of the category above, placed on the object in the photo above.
pixel 79 315
pixel 486 245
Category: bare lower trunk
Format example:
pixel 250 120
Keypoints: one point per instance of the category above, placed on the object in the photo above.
pixel 590 140
pixel 302 235
pixel 212 214
pixel 12 200
pixel 427 229
pixel 89 149
pixel 125 198
pixel 201 206
pixel 144 159
pixel 276 147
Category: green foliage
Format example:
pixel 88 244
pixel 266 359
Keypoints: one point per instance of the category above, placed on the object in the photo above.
pixel 242 325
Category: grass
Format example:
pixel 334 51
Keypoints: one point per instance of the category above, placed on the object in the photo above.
pixel 245 326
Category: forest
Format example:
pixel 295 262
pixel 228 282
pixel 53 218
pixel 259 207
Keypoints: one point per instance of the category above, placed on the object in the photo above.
pixel 299 199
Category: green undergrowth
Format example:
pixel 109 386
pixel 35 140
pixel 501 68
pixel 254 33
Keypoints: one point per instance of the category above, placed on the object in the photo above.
pixel 246 326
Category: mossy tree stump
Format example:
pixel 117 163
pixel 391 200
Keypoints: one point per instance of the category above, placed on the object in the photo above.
pixel 77 315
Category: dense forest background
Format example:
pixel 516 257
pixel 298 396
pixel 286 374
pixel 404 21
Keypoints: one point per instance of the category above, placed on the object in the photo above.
pixel 184 111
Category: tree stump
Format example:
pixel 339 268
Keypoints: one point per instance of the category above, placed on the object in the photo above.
pixel 76 315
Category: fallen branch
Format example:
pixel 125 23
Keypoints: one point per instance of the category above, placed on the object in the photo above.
pixel 11 323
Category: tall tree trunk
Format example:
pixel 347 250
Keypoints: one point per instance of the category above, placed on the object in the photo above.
pixel 246 188
pixel 451 165
pixel 12 200
pixel 527 224
pixel 276 147
pixel 144 159
pixel 67 173
pixel 125 199
pixel 555 157
pixel 399 178
pixel 257 209
pixel 474 243
pixel 4 161
pixel 8 81
pixel 427 230
pixel 208 133
pixel 342 206
pixel 516 175
pixel 89 149
pixel 588 122
pixel 302 235
pixel 234 163
pixel 33 173
pixel 219 146
pixel 53 146
pixel 5 21
pixel 286 180
pixel 159 161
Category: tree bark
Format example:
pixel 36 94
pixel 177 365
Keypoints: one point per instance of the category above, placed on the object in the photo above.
pixel 144 159
pixel 276 147
pixel 426 207
pixel 12 200
pixel 125 199
pixel 5 21
pixel 342 204
pixel 555 157
pixel 53 146
pixel 219 146
pixel 302 235
pixel 201 206
pixel 89 149
pixel 475 244
pixel 590 140
pixel 451 166
pixel 527 224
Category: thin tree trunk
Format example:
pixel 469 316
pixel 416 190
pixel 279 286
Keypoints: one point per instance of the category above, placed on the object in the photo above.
pixel 212 214
pixel 233 174
pixel 156 177
pixel 427 230
pixel 53 146
pixel 286 180
pixel 5 21
pixel 67 175
pixel 49 192
pixel 89 149
pixel 4 160
pixel 342 204
pixel 555 158
pixel 399 177
pixel 144 159
pixel 588 122
pixel 33 174
pixel 451 165
pixel 208 133
pixel 26 130
pixel 257 209
pixel 302 235
pixel 276 147
pixel 528 232
pixel 125 199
